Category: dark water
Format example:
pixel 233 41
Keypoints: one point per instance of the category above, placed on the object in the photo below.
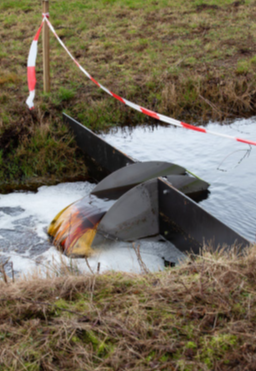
pixel 229 166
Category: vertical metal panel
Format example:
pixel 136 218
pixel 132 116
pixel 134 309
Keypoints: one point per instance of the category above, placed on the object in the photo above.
pixel 188 226
pixel 107 157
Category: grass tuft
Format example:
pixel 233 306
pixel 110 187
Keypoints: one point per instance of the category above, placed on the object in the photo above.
pixel 185 318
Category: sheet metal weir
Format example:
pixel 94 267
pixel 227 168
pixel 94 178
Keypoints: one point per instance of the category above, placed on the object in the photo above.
pixel 181 220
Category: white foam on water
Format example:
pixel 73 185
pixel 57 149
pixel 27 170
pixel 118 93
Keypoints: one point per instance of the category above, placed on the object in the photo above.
pixel 44 204
pixel 38 210
pixel 22 264
pixel 116 256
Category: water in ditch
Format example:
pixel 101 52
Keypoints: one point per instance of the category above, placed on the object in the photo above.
pixel 229 167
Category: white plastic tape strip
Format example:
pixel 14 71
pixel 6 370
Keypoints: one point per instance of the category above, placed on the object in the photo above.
pixel 31 68
pixel 147 112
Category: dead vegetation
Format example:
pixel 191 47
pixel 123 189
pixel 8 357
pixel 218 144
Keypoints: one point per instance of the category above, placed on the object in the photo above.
pixel 199 316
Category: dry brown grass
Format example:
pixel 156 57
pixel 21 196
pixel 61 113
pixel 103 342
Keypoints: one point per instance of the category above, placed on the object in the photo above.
pixel 199 316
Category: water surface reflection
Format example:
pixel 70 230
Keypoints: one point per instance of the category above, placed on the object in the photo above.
pixel 223 163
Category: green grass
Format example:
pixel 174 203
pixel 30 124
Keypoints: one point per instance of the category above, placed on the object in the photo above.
pixel 169 56
pixel 38 154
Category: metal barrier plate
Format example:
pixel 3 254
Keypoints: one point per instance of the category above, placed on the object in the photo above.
pixel 188 226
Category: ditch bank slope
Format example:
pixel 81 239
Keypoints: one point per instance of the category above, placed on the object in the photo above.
pixel 199 316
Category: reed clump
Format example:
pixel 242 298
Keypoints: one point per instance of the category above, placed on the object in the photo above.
pixel 198 316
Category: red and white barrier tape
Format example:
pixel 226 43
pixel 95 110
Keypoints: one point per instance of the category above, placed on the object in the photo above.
pixel 31 68
pixel 147 112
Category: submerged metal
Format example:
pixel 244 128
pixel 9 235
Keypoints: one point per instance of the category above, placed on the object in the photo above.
pixel 136 200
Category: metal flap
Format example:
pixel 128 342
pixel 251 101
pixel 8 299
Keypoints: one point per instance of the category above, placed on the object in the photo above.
pixel 187 184
pixel 122 180
pixel 134 215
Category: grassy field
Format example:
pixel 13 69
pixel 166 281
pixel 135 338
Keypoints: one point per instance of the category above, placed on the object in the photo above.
pixel 199 316
pixel 189 59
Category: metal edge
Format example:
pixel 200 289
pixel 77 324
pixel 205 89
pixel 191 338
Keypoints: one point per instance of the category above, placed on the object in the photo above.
pixel 188 226
pixel 108 158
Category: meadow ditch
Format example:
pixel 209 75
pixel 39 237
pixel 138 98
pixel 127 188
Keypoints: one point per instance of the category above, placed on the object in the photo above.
pixel 190 60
